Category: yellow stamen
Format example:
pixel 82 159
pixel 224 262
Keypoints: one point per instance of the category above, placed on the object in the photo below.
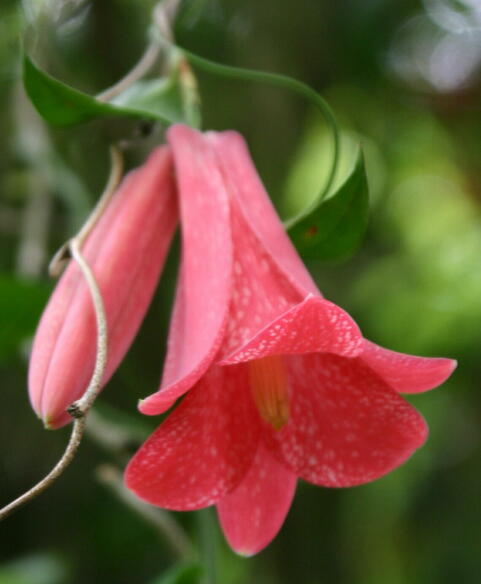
pixel 268 381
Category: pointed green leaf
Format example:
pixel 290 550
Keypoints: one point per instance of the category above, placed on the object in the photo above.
pixel 334 229
pixel 182 574
pixel 62 105
pixel 56 102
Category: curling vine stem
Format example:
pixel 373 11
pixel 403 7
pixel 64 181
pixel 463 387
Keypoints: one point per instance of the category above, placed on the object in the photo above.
pixel 79 409
pixel 63 255
pixel 58 469
pixel 146 62
pixel 287 83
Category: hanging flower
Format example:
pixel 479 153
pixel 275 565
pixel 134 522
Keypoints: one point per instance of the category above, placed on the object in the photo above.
pixel 282 383
pixel 126 251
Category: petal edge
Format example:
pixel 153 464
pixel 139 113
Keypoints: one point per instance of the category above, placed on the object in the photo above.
pixel 252 514
pixel 325 328
pixel 407 373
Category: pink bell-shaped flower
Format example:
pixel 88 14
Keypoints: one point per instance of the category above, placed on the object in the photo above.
pixel 126 251
pixel 281 382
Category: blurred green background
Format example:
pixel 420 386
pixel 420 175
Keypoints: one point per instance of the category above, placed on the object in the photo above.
pixel 403 79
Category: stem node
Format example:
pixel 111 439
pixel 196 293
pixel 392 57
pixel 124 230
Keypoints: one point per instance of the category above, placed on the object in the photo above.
pixel 75 411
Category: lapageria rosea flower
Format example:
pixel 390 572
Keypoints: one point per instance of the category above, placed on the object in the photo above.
pixel 281 382
pixel 126 250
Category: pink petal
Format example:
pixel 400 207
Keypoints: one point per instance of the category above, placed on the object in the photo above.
pixel 202 298
pixel 406 373
pixel 203 449
pixel 126 251
pixel 314 325
pixel 260 291
pixel 246 187
pixel 346 425
pixel 253 513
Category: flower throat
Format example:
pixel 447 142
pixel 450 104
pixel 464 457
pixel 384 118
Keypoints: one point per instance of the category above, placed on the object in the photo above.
pixel 268 383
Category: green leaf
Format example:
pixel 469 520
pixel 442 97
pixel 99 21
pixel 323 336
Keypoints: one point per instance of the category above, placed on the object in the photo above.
pixel 159 98
pixel 21 304
pixel 62 105
pixel 56 102
pixel 182 574
pixel 334 228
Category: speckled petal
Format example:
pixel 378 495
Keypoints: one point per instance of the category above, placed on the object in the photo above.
pixel 346 425
pixel 314 325
pixel 246 188
pixel 254 512
pixel 203 293
pixel 203 449
pixel 126 251
pixel 407 373
pixel 260 291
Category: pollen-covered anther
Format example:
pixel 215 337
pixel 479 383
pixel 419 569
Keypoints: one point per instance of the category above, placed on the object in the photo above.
pixel 269 385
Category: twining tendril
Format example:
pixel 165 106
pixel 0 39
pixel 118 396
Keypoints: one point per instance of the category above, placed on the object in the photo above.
pixel 81 406
pixel 79 409
pixel 69 454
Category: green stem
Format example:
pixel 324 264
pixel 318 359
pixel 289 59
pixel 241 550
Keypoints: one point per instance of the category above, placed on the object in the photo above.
pixel 288 83
pixel 208 543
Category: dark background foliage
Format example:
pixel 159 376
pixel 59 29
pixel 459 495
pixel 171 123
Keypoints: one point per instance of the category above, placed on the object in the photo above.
pixel 403 78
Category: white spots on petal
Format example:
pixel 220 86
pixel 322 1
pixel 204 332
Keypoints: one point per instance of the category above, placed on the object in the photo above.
pixel 260 290
pixel 347 426
pixel 196 456
pixel 313 325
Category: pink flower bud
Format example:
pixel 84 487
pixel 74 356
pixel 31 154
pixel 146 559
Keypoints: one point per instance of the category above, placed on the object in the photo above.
pixel 126 251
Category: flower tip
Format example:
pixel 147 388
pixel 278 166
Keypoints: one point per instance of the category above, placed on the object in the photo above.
pixel 445 369
pixel 154 407
pixel 48 425
pixel 252 550
pixel 54 422
pixel 143 406
pixel 451 365
pixel 46 422
pixel 245 553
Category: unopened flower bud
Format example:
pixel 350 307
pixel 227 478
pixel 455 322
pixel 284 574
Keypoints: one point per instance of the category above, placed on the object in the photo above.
pixel 126 251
